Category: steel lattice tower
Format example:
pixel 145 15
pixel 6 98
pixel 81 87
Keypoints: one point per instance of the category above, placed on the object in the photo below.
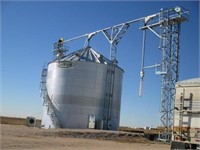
pixel 168 22
pixel 169 46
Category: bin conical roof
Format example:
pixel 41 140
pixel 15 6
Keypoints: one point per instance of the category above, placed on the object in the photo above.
pixel 86 54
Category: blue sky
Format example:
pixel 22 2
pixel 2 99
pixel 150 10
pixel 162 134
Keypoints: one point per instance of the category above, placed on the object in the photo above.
pixel 29 29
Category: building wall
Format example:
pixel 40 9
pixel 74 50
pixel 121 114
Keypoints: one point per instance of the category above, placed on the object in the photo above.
pixel 194 105
pixel 190 128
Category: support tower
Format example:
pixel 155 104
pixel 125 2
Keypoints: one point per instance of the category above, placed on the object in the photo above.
pixel 168 23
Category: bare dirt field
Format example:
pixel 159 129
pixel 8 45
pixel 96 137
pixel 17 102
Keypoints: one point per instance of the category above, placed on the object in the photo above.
pixel 17 137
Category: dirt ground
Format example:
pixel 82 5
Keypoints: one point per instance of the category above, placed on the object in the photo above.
pixel 18 137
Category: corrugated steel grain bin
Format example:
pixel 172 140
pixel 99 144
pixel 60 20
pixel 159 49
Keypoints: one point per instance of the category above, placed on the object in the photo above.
pixel 76 86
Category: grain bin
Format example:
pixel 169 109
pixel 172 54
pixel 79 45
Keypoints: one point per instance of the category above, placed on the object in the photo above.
pixel 77 92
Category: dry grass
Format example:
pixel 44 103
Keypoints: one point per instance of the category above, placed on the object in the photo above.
pixel 127 129
pixel 16 121
pixel 19 137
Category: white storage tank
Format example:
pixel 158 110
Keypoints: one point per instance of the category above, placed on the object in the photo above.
pixel 83 90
